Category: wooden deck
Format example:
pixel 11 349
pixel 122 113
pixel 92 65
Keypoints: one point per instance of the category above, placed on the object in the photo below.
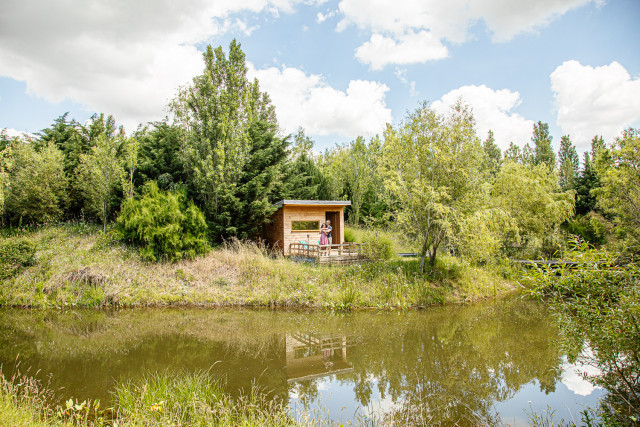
pixel 345 253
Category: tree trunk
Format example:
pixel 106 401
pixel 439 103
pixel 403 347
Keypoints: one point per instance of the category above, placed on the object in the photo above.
pixel 423 255
pixel 432 254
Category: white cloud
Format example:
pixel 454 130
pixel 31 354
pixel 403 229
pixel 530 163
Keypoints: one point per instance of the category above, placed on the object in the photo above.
pixel 408 48
pixel 594 100
pixel 573 374
pixel 13 133
pixel 451 20
pixel 307 100
pixel 120 57
pixel 320 17
pixel 493 110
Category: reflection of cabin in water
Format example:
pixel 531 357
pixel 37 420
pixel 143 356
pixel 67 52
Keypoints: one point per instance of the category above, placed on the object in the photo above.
pixel 295 230
pixel 311 355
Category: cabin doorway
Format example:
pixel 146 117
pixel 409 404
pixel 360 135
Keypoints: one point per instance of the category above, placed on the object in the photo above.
pixel 334 217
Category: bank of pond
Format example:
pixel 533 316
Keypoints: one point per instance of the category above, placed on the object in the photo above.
pixel 486 363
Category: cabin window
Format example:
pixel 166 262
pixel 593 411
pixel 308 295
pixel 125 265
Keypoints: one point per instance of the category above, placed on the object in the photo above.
pixel 305 225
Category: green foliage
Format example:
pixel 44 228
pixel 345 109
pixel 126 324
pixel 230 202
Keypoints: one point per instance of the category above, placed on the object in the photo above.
pixel 15 254
pixel 130 149
pixel 597 303
pixel 530 195
pixel 349 234
pixel 483 234
pixel 98 175
pixel 190 399
pixel 163 224
pixel 493 155
pixel 542 151
pixel 250 204
pixel 592 227
pixel 217 112
pixel 619 194
pixel 37 184
pixel 159 158
pixel 568 164
pixel 431 167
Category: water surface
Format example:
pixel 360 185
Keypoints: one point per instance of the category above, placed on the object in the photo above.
pixel 478 364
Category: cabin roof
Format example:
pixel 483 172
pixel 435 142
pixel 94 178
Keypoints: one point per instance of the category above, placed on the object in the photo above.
pixel 313 203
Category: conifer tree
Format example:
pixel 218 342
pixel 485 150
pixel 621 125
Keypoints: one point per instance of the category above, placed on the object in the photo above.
pixel 542 149
pixel 216 113
pixel 568 164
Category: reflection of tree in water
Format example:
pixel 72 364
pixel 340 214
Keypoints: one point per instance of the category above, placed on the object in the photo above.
pixel 455 365
pixel 441 365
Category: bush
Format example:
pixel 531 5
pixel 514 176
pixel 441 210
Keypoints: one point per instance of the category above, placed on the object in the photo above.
pixel 349 235
pixel 163 224
pixel 597 304
pixel 16 254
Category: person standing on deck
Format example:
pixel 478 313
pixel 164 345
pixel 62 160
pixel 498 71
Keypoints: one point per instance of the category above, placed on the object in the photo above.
pixel 329 230
pixel 323 234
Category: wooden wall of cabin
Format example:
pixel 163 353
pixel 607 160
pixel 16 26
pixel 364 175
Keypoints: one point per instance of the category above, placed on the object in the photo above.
pixel 307 213
pixel 274 233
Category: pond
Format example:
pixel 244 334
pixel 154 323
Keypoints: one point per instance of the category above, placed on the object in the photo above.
pixel 484 363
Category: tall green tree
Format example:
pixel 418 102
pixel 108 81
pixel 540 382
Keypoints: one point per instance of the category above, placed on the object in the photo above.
pixel 618 168
pixel 568 164
pixel 431 166
pixel 532 197
pixel 216 112
pixel 37 183
pixel 513 153
pixel 543 151
pixel 99 174
pixel 493 154
pixel 160 157
pixel 257 187
pixel 130 150
pixel 302 177
pixel 358 173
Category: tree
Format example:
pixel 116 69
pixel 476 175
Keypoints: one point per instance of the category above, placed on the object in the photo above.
pixel 530 194
pixel 543 151
pixel 513 153
pixel 163 224
pixel 159 155
pixel 37 184
pixel 619 194
pixel 358 175
pixel 216 112
pixel 493 154
pixel 5 165
pixel 256 188
pixel 431 168
pixel 568 164
pixel 587 182
pixel 302 177
pixel 130 162
pixel 99 173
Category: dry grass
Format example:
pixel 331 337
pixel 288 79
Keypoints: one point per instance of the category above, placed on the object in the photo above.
pixel 80 266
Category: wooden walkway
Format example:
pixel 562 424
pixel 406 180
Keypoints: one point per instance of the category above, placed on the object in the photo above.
pixel 345 253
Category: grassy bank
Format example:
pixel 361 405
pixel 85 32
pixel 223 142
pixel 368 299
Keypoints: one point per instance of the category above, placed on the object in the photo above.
pixel 77 265
pixel 191 399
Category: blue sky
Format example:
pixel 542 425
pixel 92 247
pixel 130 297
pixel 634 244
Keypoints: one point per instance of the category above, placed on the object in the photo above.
pixel 338 68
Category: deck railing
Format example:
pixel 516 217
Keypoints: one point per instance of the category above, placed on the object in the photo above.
pixel 343 251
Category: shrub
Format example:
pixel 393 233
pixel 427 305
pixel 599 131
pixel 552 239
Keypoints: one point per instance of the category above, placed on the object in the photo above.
pixel 597 304
pixel 16 254
pixel 163 224
pixel 349 235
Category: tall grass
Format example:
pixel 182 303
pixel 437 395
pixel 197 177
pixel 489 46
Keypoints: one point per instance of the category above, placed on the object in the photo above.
pixel 188 399
pixel 193 399
pixel 85 267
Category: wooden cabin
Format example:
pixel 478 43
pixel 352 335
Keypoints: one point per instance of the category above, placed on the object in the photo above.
pixel 298 222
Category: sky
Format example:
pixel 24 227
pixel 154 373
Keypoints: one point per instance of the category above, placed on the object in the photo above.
pixel 339 69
